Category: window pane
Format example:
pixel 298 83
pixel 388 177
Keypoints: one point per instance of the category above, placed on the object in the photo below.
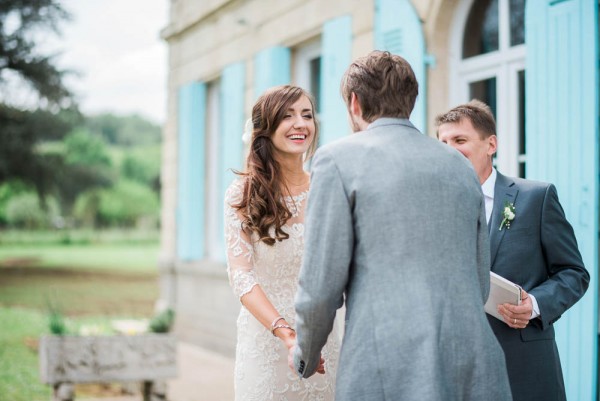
pixel 481 31
pixel 212 199
pixel 315 79
pixel 522 170
pixel 517 22
pixel 485 91
pixel 522 116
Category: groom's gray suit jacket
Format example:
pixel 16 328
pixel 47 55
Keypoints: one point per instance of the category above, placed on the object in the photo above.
pixel 396 226
pixel 539 252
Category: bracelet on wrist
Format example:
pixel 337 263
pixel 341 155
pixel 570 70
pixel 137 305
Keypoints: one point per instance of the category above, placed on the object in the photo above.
pixel 282 326
pixel 277 319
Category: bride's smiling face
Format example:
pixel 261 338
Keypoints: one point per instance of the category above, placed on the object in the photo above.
pixel 296 131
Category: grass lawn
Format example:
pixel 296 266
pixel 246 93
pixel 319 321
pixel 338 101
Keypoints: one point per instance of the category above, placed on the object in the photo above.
pixel 89 283
pixel 123 257
pixel 19 377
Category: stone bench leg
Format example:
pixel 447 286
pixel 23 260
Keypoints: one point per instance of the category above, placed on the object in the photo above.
pixel 154 390
pixel 64 392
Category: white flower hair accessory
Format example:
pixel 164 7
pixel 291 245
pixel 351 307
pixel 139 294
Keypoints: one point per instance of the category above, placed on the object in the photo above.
pixel 508 214
pixel 248 128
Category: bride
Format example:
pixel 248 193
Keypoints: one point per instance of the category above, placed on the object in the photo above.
pixel 264 226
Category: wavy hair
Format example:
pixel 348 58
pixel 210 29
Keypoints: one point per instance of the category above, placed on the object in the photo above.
pixel 262 205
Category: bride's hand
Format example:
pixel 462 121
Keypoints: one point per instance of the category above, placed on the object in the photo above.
pixel 290 340
pixel 291 358
pixel 321 367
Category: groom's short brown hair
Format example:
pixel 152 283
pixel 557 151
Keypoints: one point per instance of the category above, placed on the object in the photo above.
pixel 384 84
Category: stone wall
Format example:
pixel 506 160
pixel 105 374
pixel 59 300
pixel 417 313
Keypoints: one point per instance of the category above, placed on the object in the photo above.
pixel 204 37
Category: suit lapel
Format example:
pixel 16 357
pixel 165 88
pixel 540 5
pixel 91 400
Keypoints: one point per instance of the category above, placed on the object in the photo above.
pixel 505 190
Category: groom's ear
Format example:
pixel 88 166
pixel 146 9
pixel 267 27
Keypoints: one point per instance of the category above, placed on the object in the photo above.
pixel 355 107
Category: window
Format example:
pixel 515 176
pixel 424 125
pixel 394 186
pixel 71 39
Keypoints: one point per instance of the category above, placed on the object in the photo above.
pixel 488 63
pixel 307 69
pixel 212 190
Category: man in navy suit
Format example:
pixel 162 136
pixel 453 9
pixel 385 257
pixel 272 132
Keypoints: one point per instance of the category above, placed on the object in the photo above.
pixel 531 244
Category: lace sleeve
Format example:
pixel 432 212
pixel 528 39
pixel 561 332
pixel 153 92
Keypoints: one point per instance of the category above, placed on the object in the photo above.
pixel 240 267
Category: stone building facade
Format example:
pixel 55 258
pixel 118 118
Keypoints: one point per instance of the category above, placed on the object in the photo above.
pixel 510 53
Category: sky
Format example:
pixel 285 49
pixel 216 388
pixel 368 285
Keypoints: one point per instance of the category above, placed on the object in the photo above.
pixel 115 47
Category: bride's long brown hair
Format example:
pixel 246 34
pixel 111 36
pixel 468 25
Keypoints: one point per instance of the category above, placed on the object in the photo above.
pixel 262 205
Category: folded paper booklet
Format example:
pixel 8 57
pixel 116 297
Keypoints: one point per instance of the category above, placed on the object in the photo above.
pixel 502 291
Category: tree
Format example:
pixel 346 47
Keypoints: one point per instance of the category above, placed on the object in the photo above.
pixel 9 190
pixel 122 205
pixel 24 127
pixel 21 133
pixel 20 21
pixel 85 149
pixel 131 130
pixel 84 165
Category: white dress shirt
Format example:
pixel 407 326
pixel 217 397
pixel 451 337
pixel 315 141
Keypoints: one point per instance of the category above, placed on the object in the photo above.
pixel 488 193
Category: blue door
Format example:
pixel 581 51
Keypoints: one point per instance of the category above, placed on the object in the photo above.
pixel 231 149
pixel 191 171
pixel 336 45
pixel 562 148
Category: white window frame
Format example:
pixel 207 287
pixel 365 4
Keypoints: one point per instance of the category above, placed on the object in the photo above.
pixel 212 189
pixel 301 68
pixel 503 64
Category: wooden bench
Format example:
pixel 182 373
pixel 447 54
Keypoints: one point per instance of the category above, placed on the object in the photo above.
pixel 145 358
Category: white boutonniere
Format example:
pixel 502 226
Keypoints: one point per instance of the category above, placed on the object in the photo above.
pixel 248 128
pixel 508 215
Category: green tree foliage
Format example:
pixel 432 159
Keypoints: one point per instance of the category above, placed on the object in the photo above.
pixel 20 22
pixel 25 211
pixel 137 170
pixel 85 149
pixel 9 190
pixel 86 208
pixel 24 67
pixel 126 202
pixel 122 205
pixel 162 322
pixel 129 131
pixel 142 165
pixel 21 133
pixel 85 165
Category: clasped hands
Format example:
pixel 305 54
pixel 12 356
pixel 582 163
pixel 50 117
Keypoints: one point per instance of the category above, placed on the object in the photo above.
pixel 517 316
pixel 320 368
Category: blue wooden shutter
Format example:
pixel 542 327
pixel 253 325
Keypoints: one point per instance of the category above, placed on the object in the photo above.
pixel 398 30
pixel 232 128
pixel 562 148
pixel 271 68
pixel 191 171
pixel 336 53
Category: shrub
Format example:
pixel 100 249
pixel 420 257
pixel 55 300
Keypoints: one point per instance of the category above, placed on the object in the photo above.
pixel 84 149
pixel 8 190
pixel 162 322
pixel 24 211
pixel 86 207
pixel 138 169
pixel 125 203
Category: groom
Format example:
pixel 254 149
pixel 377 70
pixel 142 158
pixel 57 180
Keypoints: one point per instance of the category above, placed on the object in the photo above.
pixel 395 226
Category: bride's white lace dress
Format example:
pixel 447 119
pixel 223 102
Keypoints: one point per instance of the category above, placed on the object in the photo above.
pixel 261 367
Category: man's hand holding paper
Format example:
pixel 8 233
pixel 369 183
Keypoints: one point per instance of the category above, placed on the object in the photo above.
pixel 517 316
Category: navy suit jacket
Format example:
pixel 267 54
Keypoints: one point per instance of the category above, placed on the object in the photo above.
pixel 539 252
